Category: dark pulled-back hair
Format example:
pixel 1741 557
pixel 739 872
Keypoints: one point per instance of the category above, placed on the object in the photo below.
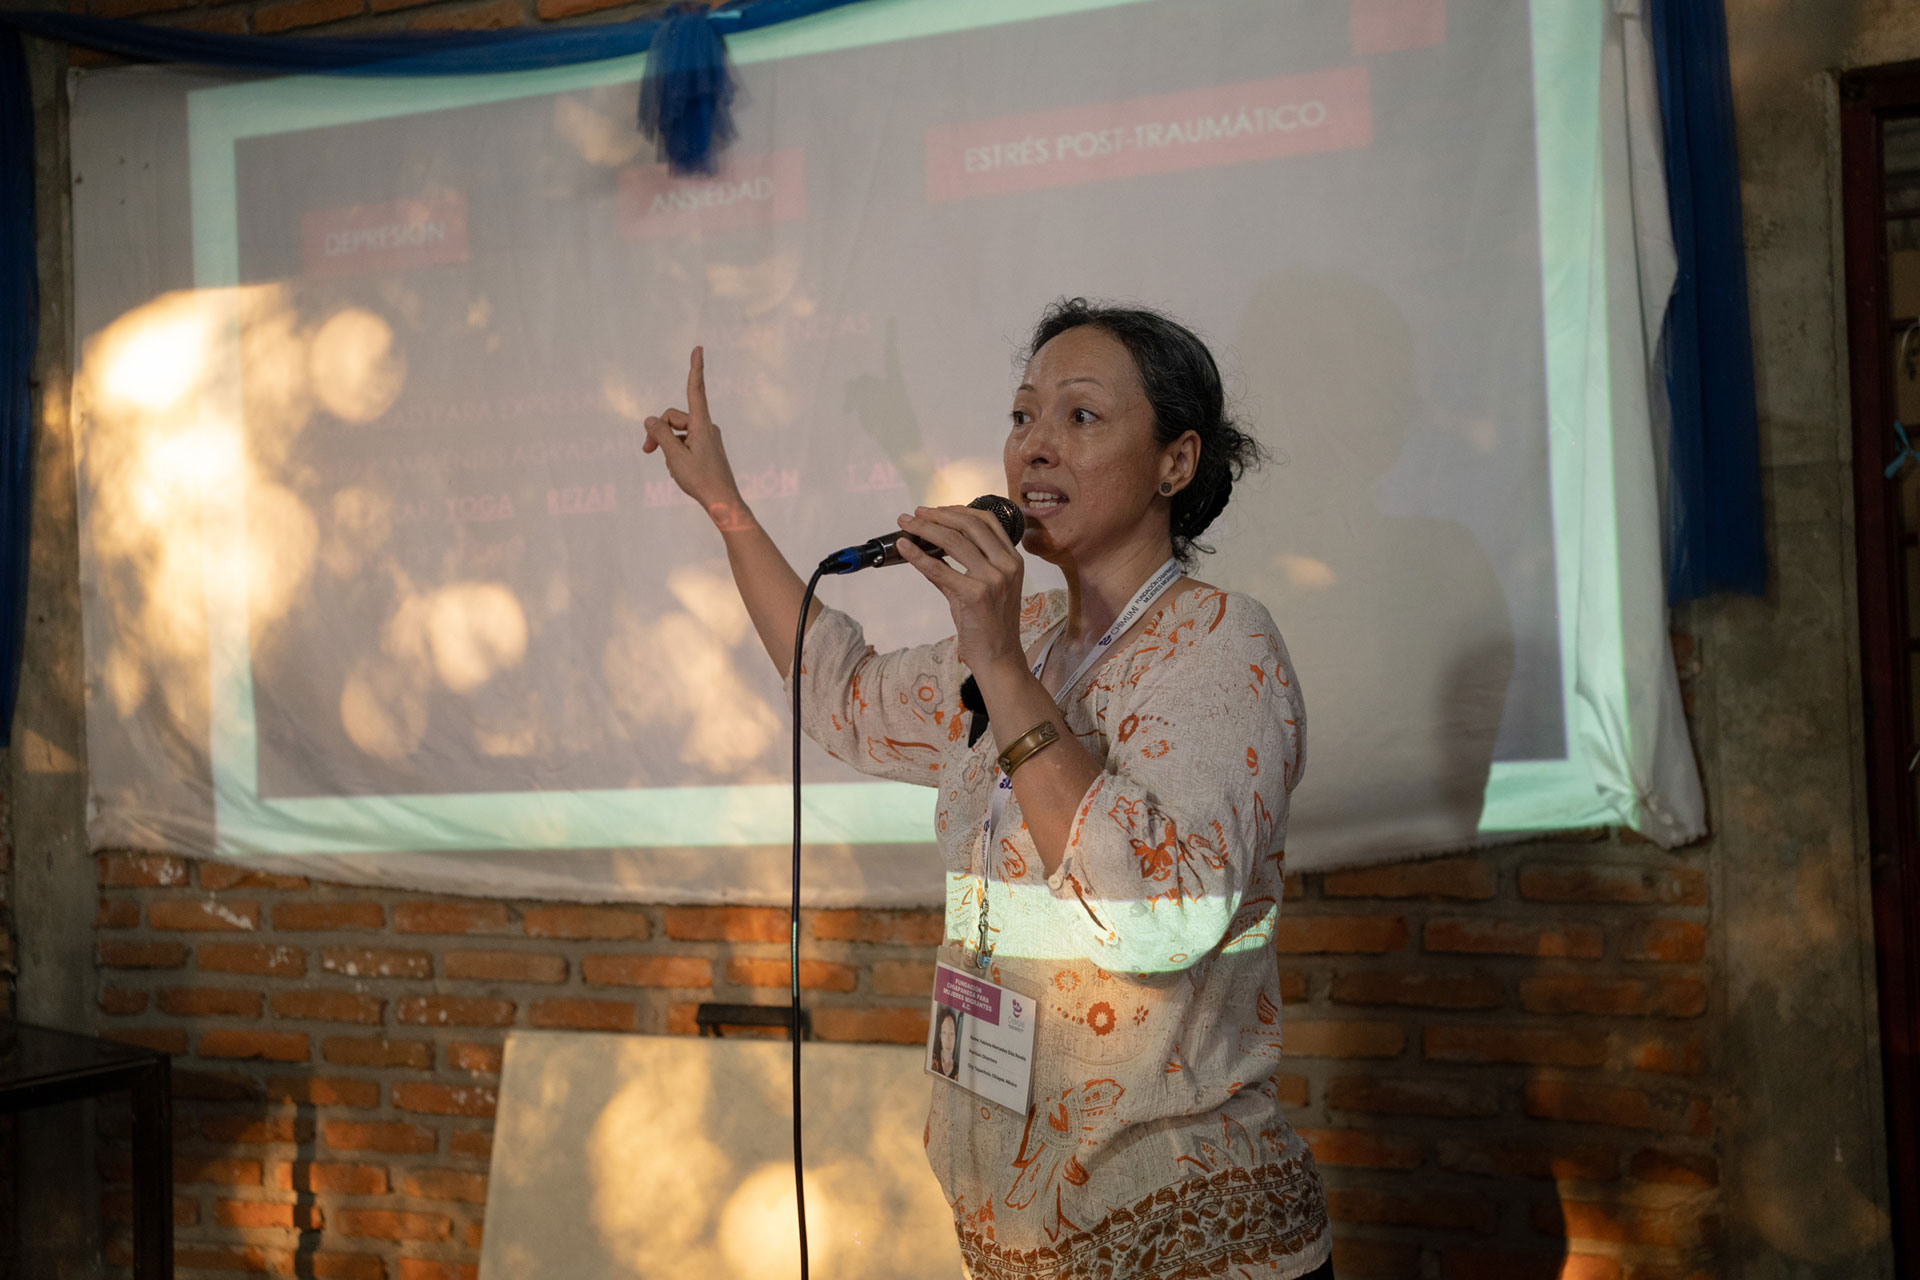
pixel 1183 385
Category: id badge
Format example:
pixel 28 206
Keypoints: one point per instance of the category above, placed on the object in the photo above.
pixel 981 1037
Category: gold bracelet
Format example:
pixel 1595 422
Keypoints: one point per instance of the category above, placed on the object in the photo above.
pixel 1034 739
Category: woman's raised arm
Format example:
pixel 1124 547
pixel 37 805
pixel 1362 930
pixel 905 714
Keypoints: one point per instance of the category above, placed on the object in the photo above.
pixel 697 460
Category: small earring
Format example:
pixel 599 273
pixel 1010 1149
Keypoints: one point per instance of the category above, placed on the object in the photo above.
pixel 1166 486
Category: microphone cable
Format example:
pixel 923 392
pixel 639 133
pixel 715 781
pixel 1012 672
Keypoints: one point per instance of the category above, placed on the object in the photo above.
pixel 793 943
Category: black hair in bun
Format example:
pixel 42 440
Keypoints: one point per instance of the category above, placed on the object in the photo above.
pixel 1182 383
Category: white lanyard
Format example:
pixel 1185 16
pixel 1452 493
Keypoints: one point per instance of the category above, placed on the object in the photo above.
pixel 1143 599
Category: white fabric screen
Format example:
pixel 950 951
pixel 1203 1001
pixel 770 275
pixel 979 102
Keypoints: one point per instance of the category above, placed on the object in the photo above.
pixel 378 584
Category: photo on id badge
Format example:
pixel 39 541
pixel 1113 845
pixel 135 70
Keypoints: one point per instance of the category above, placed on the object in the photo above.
pixel 943 1042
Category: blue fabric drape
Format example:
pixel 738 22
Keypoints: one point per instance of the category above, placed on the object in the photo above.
pixel 687 116
pixel 1717 539
pixel 19 322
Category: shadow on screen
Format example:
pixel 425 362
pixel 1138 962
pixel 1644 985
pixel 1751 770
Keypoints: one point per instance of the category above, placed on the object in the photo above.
pixel 1397 624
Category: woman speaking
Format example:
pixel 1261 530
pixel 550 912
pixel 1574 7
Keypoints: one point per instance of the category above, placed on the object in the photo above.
pixel 1114 839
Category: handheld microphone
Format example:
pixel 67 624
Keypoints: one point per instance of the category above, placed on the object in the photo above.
pixel 884 550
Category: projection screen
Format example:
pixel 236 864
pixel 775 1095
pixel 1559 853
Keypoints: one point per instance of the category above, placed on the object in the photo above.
pixel 378 585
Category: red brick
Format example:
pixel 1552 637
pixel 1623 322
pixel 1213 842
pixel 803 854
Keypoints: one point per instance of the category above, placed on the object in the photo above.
pixel 582 1015
pixel 589 924
pixel 884 1025
pixel 117 1206
pixel 119 1001
pixel 1674 997
pixel 209 1002
pixel 348 1266
pixel 1508 1264
pixel 273 1046
pixel 209 1257
pixel 116 913
pixel 392 1224
pixel 325 1091
pixel 321 1005
pixel 377 962
pixel 216 1086
pixel 1591 1104
pixel 1350 935
pixel 1293 887
pixel 817 975
pixel 1679 1168
pixel 1362 1150
pixel 504 966
pixel 1290 1089
pixel 249 1130
pixel 142 955
pixel 728 924
pixel 451 917
pixel 387 6
pixel 484 17
pixel 187 915
pixel 554 10
pixel 454 1011
pixel 1345 1038
pixel 268 958
pixel 322 917
pixel 1683 1055
pixel 472 1234
pixel 647 971
pixel 267 1214
pixel 1418 989
pixel 224 875
pixel 477 1143
pixel 141 870
pixel 1666 1271
pixel 1465 879
pixel 1561 1161
pixel 891 928
pixel 164 1039
pixel 1514 938
pixel 219 1170
pixel 432 1269
pixel 134 8
pixel 340 1179
pixel 445 1184
pixel 1293 985
pixel 905 977
pixel 1597 882
pixel 1374 1259
pixel 376 1051
pixel 389 1137
pixel 1430 1209
pixel 1411 1097
pixel 681 1020
pixel 272 19
pixel 1670 941
pixel 1540 1048
pixel 479 1059
pixel 1674 1228
pixel 446 1099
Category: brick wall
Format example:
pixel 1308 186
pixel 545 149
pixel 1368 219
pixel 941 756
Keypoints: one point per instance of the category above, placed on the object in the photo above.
pixel 1498 1058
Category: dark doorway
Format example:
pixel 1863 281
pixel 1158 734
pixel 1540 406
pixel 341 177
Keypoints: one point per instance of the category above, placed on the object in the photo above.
pixel 1880 175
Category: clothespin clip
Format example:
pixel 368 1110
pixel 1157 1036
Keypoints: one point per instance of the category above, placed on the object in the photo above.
pixel 1906 451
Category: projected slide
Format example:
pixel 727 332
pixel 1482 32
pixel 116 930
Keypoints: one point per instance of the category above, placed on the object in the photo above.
pixel 450 605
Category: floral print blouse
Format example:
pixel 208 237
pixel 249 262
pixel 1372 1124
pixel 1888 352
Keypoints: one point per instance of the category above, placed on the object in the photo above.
pixel 1154 1145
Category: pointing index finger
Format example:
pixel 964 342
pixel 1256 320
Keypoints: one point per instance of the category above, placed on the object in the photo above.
pixel 697 385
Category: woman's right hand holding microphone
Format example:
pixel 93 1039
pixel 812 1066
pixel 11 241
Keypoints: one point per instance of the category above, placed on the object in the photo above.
pixel 696 457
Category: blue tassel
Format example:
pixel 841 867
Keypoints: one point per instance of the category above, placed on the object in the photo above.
pixel 686 95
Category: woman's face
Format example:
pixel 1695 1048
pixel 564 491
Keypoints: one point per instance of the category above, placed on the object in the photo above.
pixel 1081 459
pixel 946 1042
